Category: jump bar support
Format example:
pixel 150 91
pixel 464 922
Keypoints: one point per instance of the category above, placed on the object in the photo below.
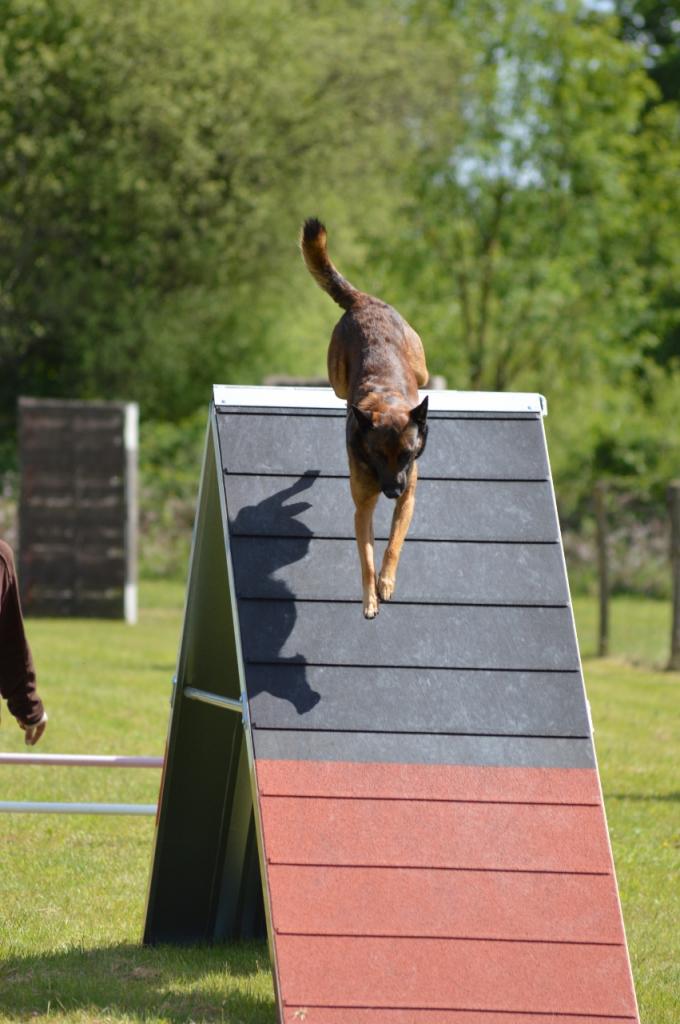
pixel 213 698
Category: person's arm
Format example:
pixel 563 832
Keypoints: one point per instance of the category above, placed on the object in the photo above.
pixel 17 672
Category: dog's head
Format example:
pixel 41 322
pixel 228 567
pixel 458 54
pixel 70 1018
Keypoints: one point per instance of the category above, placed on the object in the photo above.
pixel 389 443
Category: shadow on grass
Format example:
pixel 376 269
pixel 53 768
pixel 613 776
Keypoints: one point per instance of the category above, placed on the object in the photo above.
pixel 230 984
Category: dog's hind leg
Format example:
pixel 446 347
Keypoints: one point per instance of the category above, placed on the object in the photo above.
pixel 401 520
pixel 416 356
pixel 338 374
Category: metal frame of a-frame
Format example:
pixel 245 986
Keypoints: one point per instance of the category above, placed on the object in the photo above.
pixel 205 884
pixel 315 759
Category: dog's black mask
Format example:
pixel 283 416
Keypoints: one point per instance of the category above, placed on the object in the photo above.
pixel 388 450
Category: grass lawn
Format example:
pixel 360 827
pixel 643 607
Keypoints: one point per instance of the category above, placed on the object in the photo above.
pixel 72 888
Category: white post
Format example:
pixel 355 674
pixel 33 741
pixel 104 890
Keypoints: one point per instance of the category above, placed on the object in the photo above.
pixel 131 455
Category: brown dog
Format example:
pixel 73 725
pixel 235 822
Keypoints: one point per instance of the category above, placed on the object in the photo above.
pixel 376 362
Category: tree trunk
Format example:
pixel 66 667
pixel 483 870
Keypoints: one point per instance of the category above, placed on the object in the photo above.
pixel 602 566
pixel 674 512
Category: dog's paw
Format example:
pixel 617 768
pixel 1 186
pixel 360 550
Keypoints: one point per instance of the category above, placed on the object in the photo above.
pixel 386 585
pixel 371 606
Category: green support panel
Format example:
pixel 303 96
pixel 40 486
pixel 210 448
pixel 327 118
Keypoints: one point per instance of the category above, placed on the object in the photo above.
pixel 205 881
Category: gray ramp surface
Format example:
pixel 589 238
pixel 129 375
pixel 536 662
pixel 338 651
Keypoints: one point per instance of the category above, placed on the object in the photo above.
pixel 510 449
pixel 475 659
pixel 464 510
pixel 296 696
pixel 429 571
pixel 477 637
pixel 423 748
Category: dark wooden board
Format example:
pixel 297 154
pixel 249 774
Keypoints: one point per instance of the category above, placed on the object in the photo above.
pixel 91 407
pixel 51 465
pixel 82 498
pixel 102 574
pixel 308 506
pixel 419 748
pixel 86 541
pixel 76 508
pixel 45 602
pixel 84 551
pixel 80 438
pixel 432 571
pixel 511 449
pixel 417 700
pixel 329 633
pixel 90 521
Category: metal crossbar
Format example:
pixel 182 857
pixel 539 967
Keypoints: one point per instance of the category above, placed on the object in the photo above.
pixel 83 760
pixel 228 703
pixel 77 761
pixel 100 761
pixel 38 807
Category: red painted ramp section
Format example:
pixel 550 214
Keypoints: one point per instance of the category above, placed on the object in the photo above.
pixel 425 973
pixel 354 1015
pixel 420 833
pixel 312 900
pixel 428 894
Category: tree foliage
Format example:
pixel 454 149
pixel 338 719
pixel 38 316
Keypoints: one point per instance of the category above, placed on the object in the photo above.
pixel 504 171
pixel 155 162
pixel 654 27
pixel 530 232
pixel 540 242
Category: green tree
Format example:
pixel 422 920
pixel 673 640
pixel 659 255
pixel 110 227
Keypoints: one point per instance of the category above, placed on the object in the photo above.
pixel 527 233
pixel 156 160
pixel 654 25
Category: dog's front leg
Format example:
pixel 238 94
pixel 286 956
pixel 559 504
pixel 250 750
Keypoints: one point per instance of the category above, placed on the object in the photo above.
pixel 401 520
pixel 363 525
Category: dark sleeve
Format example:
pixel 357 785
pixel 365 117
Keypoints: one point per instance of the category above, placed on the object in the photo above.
pixel 17 674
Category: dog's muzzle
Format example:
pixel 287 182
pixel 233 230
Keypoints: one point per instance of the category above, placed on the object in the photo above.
pixel 394 487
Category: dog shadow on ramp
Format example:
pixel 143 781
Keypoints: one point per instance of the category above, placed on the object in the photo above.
pixel 258 557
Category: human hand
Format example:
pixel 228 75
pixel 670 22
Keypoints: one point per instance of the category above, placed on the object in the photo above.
pixel 34 732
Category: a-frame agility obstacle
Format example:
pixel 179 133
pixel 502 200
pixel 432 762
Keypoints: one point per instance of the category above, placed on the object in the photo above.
pixel 410 804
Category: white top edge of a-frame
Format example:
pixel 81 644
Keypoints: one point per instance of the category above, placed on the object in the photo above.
pixel 230 395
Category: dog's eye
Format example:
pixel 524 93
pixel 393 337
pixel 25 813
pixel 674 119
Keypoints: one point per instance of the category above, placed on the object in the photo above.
pixel 404 458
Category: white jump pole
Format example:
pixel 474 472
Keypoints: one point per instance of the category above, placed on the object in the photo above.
pixel 77 761
pixel 83 760
pixel 36 807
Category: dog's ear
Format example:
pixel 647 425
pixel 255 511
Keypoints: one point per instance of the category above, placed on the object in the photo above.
pixel 363 419
pixel 419 414
pixel 419 417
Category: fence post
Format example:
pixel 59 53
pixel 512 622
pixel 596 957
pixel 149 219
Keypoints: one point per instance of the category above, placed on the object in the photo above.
pixel 602 566
pixel 674 515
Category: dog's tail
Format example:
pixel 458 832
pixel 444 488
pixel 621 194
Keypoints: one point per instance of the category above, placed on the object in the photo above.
pixel 315 253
